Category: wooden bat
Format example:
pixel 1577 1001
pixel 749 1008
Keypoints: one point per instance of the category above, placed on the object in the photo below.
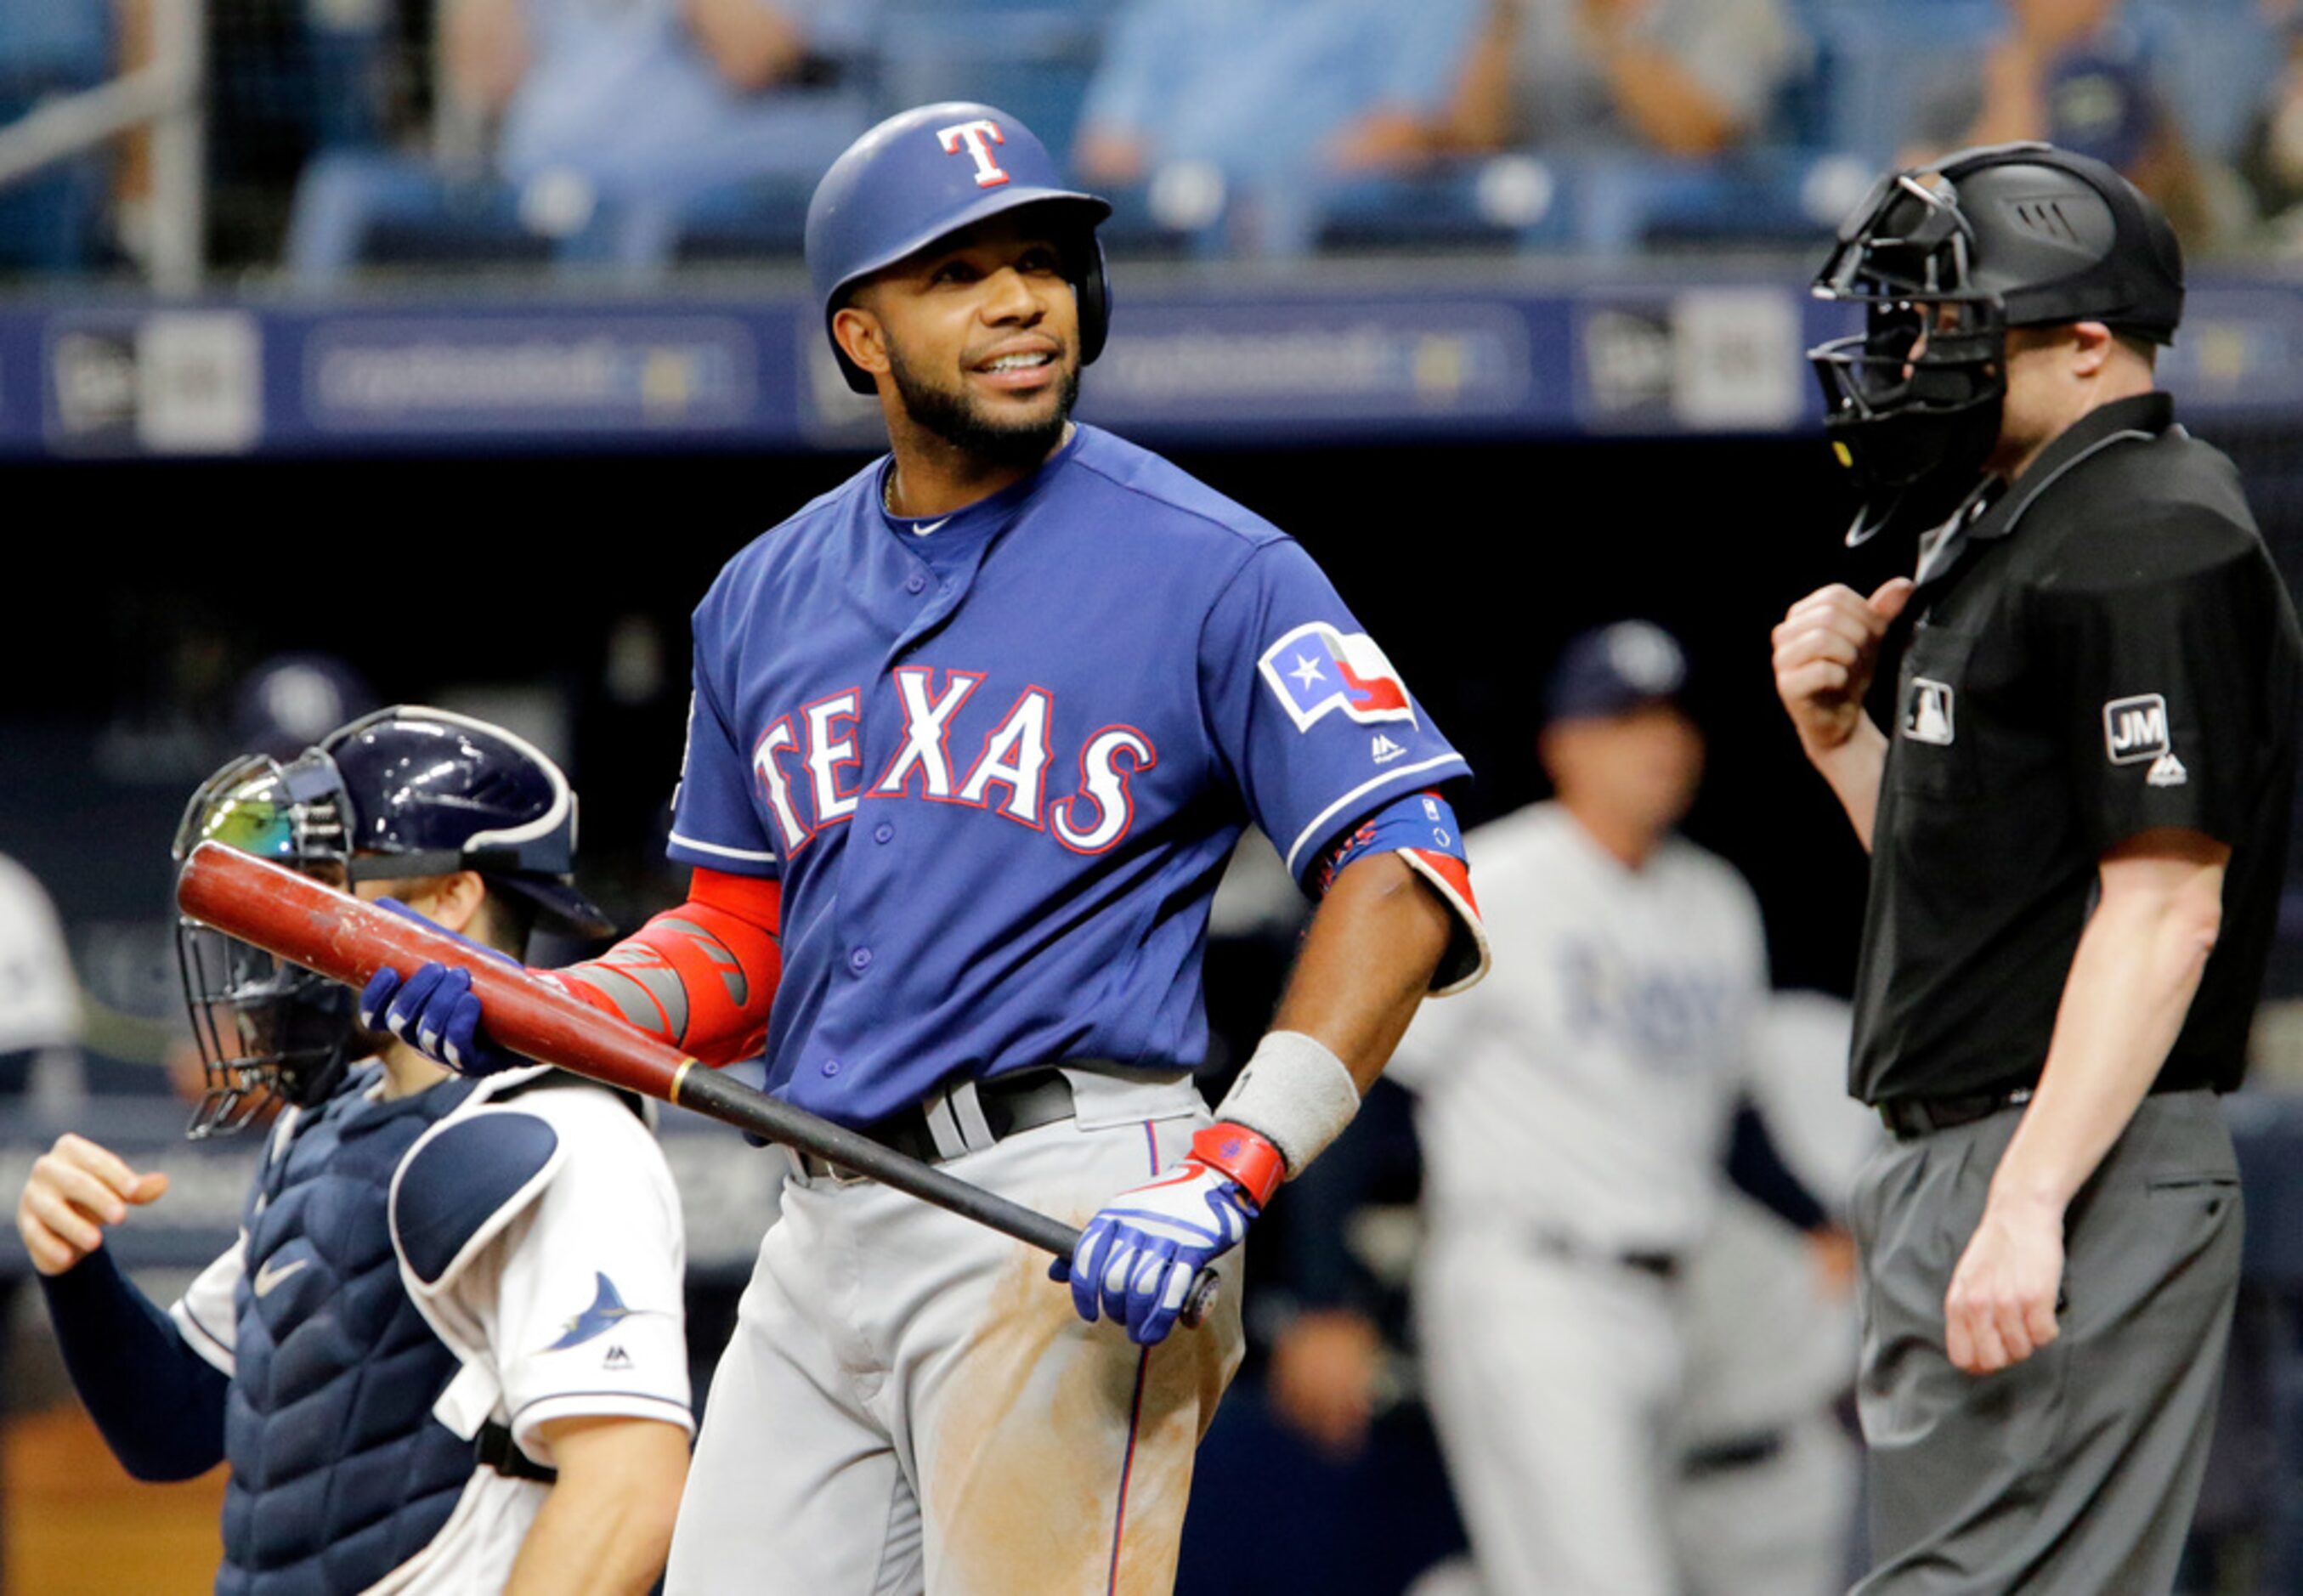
pixel 348 939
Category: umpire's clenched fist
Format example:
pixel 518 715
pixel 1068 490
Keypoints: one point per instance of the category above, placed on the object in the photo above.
pixel 1826 646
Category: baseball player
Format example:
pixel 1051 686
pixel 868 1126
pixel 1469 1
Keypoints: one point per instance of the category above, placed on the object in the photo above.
pixel 446 1353
pixel 2077 816
pixel 1574 1115
pixel 983 725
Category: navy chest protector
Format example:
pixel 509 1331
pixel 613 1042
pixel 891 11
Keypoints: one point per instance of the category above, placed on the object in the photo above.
pixel 340 1470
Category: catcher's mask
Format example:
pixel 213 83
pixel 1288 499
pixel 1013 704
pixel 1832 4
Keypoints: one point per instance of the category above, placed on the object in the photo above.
pixel 1943 263
pixel 267 1029
pixel 406 792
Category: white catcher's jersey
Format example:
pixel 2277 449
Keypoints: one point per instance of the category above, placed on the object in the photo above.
pixel 574 1308
pixel 1585 1087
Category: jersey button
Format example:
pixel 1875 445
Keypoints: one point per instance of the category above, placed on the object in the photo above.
pixel 832 1067
pixel 915 583
pixel 882 831
pixel 860 960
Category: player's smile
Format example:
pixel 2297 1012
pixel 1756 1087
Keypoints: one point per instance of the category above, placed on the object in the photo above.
pixel 1028 365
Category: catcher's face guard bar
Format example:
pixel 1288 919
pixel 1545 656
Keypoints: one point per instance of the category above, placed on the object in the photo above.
pixel 266 1030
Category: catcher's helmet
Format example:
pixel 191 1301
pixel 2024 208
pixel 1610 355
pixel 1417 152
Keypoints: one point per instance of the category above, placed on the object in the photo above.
pixel 406 792
pixel 2009 235
pixel 927 173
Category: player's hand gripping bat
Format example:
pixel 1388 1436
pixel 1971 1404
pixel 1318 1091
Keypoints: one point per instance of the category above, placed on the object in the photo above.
pixel 349 940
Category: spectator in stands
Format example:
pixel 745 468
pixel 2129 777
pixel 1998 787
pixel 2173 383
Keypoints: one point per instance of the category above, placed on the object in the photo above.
pixel 632 96
pixel 2071 72
pixel 614 117
pixel 1272 93
pixel 1685 78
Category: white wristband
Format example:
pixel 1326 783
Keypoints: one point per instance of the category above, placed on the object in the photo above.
pixel 1294 1093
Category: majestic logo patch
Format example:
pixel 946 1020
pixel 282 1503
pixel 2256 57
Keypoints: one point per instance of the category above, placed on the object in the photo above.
pixel 1316 669
pixel 1383 750
pixel 617 1358
pixel 1928 714
pixel 2166 771
pixel 2135 730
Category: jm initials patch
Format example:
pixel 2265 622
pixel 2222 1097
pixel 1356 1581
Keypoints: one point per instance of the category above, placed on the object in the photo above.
pixel 2135 730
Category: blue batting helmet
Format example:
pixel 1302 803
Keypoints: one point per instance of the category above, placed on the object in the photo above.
pixel 925 174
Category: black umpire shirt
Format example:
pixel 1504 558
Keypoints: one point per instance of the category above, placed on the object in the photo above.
pixel 2106 650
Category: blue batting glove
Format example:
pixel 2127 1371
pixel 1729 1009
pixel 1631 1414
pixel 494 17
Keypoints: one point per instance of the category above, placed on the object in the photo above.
pixel 434 1010
pixel 1138 1256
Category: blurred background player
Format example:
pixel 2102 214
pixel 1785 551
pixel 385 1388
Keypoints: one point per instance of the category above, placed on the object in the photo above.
pixel 1575 1114
pixel 444 1290
pixel 1768 1464
pixel 946 711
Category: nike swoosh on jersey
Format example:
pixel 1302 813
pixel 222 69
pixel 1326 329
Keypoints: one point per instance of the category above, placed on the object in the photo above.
pixel 270 1276
pixel 931 527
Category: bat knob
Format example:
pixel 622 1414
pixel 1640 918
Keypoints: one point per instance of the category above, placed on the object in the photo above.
pixel 1202 1300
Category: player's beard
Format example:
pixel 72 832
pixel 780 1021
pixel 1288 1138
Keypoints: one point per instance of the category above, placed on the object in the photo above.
pixel 952 415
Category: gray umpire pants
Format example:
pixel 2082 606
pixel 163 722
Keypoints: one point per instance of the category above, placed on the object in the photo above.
pixel 2075 1471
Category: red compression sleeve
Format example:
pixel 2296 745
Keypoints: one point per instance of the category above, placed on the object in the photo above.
pixel 700 976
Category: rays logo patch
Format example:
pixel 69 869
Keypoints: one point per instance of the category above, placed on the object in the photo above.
pixel 2135 730
pixel 1316 669
pixel 1929 715
pixel 605 1314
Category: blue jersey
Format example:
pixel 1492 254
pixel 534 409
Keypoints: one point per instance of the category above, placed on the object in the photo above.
pixel 999 759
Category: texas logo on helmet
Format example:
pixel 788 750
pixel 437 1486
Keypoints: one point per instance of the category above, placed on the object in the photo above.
pixel 1316 669
pixel 976 138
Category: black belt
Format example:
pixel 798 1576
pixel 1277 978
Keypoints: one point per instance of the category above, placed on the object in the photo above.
pixel 1011 1104
pixel 498 1451
pixel 1910 1117
pixel 1663 1266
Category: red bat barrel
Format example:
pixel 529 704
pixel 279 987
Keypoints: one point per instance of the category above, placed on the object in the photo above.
pixel 346 939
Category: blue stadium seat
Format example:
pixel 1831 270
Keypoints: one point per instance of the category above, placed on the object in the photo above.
pixel 1506 202
pixel 358 209
pixel 49 221
pixel 762 219
pixel 1145 225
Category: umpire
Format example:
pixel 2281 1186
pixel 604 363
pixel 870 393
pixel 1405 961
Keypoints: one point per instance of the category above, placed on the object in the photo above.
pixel 2077 822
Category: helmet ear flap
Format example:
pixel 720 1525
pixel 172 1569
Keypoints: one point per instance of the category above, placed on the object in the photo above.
pixel 1095 287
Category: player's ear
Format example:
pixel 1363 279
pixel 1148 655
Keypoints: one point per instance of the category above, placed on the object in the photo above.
pixel 2091 346
pixel 452 900
pixel 861 338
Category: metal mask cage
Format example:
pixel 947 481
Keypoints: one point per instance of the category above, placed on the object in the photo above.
pixel 1933 342
pixel 267 1030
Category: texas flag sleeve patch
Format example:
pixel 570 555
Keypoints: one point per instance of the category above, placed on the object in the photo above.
pixel 1318 670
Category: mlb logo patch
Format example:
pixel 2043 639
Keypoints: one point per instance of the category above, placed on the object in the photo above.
pixel 1316 669
pixel 1929 714
pixel 2135 730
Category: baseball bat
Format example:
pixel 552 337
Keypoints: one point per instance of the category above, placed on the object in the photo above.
pixel 348 939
